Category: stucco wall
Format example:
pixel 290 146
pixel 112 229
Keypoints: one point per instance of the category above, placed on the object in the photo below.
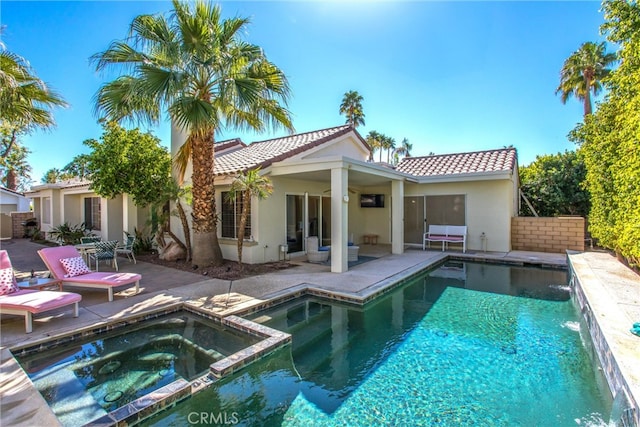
pixel 547 234
pixel 489 207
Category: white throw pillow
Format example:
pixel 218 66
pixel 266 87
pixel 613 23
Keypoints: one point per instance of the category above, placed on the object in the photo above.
pixel 74 266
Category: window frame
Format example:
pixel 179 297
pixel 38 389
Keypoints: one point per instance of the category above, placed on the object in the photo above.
pixel 227 216
pixel 90 213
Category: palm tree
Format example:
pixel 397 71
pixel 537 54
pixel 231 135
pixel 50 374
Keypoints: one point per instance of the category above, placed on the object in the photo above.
pixel 78 167
pixel 248 185
pixel 352 108
pixel 583 72
pixel 374 140
pixel 194 65
pixel 25 100
pixel 16 170
pixel 52 176
pixel 405 148
pixel 389 145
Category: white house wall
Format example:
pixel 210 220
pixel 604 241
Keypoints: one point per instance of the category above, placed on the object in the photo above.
pixel 73 208
pixel 346 146
pixel 489 208
pixel 10 202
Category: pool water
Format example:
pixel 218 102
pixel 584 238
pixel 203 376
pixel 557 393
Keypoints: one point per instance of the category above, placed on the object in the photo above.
pixel 465 344
pixel 87 379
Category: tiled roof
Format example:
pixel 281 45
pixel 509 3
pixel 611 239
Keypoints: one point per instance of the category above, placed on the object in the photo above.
pixel 221 146
pixel 501 160
pixel 263 153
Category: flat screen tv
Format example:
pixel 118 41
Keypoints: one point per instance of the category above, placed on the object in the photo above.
pixel 372 200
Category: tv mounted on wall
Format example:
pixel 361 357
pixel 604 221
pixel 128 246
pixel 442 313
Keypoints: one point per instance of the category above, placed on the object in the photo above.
pixel 372 200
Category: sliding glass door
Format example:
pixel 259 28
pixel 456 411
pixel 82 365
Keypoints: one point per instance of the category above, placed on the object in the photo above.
pixel 413 219
pixel 422 211
pixel 307 216
pixel 295 222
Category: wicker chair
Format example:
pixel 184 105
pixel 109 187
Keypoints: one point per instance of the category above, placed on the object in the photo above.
pixel 313 252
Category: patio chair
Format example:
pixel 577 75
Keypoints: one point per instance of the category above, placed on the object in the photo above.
pixel 314 254
pixel 105 251
pixel 27 302
pixel 90 239
pixel 127 249
pixel 83 277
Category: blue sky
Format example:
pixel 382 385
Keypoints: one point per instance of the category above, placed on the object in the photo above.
pixel 449 76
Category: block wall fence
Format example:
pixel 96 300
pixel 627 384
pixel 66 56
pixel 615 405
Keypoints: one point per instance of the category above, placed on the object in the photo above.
pixel 17 218
pixel 547 234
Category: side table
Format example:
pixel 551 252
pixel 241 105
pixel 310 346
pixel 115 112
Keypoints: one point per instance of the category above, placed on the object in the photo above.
pixel 42 284
pixel 370 239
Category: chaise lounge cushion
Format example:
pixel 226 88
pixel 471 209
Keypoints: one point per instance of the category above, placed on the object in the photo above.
pixel 8 283
pixel 37 301
pixel 74 266
pixel 52 258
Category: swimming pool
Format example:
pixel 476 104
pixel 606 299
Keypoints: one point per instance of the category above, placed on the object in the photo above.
pixel 464 344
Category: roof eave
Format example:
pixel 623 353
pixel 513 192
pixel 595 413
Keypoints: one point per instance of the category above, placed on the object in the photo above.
pixel 473 176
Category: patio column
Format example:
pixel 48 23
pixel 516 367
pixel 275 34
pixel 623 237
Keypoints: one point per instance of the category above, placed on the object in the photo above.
pixel 129 215
pixel 397 217
pixel 339 219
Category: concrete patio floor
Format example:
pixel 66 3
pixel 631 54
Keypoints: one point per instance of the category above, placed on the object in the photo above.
pixel 21 404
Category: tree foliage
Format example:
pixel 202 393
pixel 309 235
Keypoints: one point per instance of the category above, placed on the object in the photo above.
pixel 194 65
pixel 351 107
pixel 246 186
pixel 583 73
pixel 609 140
pixel 128 161
pixel 15 170
pixel 554 185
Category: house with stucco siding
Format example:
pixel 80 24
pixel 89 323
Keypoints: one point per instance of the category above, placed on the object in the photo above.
pixel 325 186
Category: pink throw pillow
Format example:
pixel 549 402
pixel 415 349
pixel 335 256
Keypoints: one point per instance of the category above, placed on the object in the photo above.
pixel 8 283
pixel 74 266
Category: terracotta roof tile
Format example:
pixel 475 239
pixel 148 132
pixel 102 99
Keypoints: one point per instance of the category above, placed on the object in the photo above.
pixel 460 163
pixel 263 153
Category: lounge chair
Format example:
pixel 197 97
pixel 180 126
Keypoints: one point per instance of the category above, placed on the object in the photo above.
pixel 53 257
pixel 27 302
pixel 314 254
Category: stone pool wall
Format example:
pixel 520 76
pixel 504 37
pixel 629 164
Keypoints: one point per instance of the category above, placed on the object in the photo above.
pixel 604 321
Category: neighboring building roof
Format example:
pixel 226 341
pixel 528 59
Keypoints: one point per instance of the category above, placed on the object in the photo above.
pixel 72 183
pixel 264 153
pixel 11 191
pixel 501 160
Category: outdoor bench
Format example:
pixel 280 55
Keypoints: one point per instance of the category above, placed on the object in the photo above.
pixel 446 234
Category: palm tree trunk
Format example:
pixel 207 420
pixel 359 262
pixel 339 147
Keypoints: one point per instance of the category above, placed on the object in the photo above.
pixel 243 223
pixel 185 228
pixel 206 249
pixel 587 96
pixel 12 180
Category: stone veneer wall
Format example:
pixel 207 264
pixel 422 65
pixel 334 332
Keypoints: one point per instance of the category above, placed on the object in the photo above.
pixel 17 218
pixel 547 234
pixel 630 416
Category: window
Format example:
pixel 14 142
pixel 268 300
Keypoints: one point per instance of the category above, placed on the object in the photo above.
pixel 46 210
pixel 231 213
pixel 445 210
pixel 92 213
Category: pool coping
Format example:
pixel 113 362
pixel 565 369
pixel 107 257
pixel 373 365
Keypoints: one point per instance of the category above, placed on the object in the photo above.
pixel 600 302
